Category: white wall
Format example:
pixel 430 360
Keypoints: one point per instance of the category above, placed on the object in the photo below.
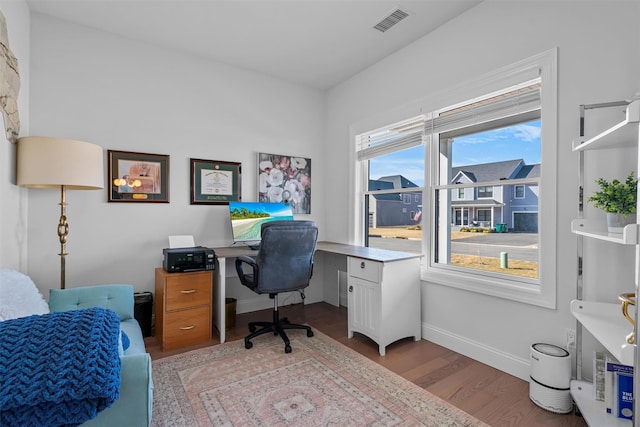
pixel 125 95
pixel 598 61
pixel 13 200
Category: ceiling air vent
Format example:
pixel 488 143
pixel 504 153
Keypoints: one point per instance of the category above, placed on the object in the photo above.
pixel 392 19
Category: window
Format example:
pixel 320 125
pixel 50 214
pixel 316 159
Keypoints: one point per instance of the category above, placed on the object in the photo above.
pixel 485 192
pixel 391 162
pixel 461 196
pixel 484 215
pixel 491 143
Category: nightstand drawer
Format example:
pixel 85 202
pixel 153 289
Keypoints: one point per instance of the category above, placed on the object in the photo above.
pixel 365 269
pixel 188 290
pixel 187 327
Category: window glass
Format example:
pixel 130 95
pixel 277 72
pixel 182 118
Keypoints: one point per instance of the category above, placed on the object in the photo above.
pixel 483 230
pixel 394 200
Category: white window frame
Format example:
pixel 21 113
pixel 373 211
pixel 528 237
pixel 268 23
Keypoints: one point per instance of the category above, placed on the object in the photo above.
pixel 515 191
pixel 543 291
pixel 373 143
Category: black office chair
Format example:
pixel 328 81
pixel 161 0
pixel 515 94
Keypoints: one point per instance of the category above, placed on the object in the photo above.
pixel 284 263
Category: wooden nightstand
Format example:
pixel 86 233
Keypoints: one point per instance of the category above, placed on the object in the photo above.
pixel 183 308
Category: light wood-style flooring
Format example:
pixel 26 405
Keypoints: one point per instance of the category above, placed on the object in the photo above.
pixel 488 394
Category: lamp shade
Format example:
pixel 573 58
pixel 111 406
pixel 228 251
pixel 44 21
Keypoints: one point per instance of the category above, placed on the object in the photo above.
pixel 44 162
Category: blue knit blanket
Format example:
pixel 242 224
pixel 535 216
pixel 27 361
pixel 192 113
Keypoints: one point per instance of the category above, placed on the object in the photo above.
pixel 58 369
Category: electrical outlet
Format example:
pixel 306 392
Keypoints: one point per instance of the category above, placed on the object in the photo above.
pixel 571 338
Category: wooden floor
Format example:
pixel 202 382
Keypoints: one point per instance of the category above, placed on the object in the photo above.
pixel 488 394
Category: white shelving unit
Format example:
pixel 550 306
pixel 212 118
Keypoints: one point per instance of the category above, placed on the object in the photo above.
pixel 604 320
pixel 592 410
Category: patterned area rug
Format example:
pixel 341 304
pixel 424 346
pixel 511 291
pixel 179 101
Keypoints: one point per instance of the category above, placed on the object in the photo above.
pixel 320 383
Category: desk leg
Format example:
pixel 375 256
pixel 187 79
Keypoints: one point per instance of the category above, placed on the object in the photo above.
pixel 220 292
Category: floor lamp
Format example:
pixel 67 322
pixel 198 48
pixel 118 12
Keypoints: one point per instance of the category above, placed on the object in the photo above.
pixel 64 164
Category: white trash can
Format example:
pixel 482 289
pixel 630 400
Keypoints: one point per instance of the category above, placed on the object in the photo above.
pixel 550 379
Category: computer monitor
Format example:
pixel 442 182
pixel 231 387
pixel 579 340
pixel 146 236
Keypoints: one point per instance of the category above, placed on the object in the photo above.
pixel 247 219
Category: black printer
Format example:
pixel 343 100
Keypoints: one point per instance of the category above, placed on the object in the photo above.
pixel 196 258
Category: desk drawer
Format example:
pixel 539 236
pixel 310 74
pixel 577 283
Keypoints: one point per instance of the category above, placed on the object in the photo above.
pixel 186 327
pixel 190 290
pixel 365 269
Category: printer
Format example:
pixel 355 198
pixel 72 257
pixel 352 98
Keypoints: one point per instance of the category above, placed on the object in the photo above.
pixel 196 258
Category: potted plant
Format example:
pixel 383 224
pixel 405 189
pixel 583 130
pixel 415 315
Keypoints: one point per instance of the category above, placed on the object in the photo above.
pixel 618 200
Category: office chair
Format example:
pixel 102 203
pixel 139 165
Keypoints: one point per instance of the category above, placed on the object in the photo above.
pixel 284 263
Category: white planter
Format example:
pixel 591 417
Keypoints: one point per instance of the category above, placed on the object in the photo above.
pixel 616 221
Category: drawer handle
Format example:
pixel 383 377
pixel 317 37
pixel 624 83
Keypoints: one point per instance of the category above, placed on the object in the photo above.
pixel 192 291
pixel 187 328
pixel 362 265
pixel 350 288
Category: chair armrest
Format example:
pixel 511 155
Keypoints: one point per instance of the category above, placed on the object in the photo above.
pixel 249 280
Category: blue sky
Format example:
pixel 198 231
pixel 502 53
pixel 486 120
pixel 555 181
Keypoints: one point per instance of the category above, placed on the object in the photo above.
pixel 521 141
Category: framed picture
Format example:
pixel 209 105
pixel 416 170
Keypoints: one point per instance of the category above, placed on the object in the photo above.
pixel 138 177
pixel 285 178
pixel 214 182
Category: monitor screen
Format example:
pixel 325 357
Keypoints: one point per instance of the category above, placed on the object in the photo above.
pixel 247 218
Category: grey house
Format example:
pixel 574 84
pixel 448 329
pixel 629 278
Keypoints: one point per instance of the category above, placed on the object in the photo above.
pixel 394 209
pixel 515 205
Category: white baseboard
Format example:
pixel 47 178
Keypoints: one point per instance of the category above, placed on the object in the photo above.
pixel 497 359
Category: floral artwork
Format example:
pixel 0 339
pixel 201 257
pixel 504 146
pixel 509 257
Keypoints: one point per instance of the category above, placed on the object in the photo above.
pixel 285 179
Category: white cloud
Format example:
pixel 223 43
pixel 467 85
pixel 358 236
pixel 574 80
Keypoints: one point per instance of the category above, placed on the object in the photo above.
pixel 527 132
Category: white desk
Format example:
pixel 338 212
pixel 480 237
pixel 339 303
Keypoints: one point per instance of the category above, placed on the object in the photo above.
pixel 392 308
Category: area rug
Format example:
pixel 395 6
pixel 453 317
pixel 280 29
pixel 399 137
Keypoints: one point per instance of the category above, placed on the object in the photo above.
pixel 321 383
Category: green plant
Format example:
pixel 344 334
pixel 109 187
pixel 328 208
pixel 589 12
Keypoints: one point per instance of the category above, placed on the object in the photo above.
pixel 616 196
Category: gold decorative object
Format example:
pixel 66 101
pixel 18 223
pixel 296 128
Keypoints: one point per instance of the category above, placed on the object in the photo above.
pixel 627 300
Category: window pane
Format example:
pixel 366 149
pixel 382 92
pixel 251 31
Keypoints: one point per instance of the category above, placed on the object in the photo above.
pixel 395 218
pixel 497 225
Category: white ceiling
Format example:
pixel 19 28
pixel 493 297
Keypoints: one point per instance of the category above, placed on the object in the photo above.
pixel 318 43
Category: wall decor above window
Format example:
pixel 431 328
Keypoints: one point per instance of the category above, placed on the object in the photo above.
pixel 214 182
pixel 138 177
pixel 285 178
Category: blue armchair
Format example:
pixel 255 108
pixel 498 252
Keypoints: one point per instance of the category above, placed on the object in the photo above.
pixel 133 408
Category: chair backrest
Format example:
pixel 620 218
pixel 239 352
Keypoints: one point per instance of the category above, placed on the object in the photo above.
pixel 285 258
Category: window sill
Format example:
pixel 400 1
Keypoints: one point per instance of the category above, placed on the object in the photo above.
pixel 505 288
